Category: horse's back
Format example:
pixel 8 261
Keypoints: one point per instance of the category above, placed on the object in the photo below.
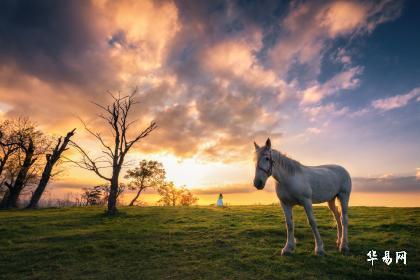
pixel 328 180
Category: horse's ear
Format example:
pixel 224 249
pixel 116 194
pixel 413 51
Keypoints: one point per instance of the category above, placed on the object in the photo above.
pixel 256 146
pixel 268 143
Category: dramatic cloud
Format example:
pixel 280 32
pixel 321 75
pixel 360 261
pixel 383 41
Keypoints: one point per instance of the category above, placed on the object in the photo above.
pixel 55 42
pixel 215 75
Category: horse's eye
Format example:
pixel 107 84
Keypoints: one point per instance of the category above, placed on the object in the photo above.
pixel 266 158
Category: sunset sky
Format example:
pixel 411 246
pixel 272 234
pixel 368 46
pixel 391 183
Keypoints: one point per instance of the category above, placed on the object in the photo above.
pixel 327 81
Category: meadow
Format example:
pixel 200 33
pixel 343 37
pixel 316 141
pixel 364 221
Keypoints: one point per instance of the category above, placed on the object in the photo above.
pixel 238 242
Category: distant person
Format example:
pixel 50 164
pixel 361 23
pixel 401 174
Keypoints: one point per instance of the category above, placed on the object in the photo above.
pixel 220 201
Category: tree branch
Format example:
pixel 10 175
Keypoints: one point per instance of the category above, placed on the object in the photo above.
pixel 98 137
pixel 87 162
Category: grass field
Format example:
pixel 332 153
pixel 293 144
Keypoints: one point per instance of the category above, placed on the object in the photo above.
pixel 241 242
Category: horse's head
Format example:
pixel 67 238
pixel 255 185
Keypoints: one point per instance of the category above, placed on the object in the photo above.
pixel 263 164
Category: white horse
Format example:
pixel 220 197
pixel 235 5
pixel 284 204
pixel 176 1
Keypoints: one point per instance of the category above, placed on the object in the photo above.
pixel 297 184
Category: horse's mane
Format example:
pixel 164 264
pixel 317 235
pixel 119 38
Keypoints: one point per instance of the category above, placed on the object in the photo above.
pixel 290 165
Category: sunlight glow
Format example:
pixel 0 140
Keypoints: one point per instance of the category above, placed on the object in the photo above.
pixel 193 173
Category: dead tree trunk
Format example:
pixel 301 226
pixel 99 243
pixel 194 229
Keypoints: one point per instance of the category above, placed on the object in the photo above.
pixel 46 174
pixel 113 194
pixel 19 184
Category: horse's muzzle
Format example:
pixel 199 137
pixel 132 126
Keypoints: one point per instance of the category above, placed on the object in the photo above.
pixel 259 184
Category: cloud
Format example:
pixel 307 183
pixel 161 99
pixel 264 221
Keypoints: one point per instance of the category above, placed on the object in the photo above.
pixel 342 17
pixel 141 33
pixel 386 184
pixel 214 75
pixel 57 58
pixel 235 59
pixel 387 103
pixel 310 26
pixel 360 112
pixel 313 130
pixel 345 80
pixel 342 56
pixel 396 101
pixel 321 111
pixel 55 42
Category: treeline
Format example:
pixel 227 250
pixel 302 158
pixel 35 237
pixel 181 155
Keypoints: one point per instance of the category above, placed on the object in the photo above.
pixel 27 159
pixel 147 175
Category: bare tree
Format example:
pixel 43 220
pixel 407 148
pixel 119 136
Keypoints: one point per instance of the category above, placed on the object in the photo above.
pixel 51 160
pixel 149 174
pixel 116 116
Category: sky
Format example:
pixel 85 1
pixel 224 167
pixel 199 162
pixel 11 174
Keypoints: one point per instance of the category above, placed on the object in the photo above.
pixel 327 81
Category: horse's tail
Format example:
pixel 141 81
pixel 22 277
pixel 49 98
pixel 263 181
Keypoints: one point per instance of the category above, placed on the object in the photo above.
pixel 346 182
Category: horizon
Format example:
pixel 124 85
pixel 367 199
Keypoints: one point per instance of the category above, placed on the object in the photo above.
pixel 328 82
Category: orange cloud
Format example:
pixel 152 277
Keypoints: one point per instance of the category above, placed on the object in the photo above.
pixel 141 33
pixel 342 17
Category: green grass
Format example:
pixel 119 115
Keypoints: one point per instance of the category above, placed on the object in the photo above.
pixel 242 242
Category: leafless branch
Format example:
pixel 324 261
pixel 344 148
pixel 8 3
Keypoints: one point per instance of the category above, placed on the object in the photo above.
pixel 87 162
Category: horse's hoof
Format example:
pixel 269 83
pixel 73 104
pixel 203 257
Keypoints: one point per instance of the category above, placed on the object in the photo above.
pixel 344 250
pixel 320 253
pixel 288 249
pixel 285 252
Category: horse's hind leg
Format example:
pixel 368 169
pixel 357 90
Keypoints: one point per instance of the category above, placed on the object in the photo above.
pixel 344 201
pixel 334 210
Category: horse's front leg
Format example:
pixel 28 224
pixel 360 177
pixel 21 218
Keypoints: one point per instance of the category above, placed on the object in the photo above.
pixel 319 245
pixel 290 243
